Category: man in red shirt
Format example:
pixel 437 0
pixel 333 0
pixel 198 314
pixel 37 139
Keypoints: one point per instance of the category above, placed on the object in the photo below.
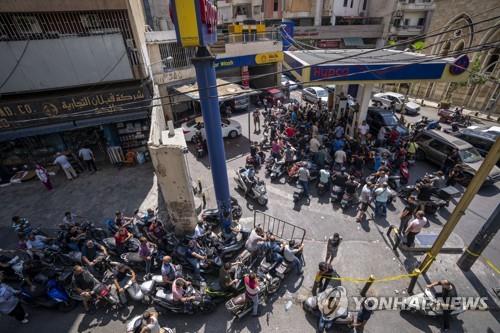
pixel 290 131
pixel 252 291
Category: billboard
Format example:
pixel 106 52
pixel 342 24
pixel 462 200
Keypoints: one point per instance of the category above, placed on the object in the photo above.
pixel 195 22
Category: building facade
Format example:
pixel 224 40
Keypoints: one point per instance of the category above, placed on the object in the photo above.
pixel 73 73
pixel 458 19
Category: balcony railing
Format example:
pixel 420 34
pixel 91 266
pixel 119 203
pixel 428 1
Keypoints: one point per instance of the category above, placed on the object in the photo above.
pixel 249 37
pixel 339 31
pixel 409 29
pixel 416 5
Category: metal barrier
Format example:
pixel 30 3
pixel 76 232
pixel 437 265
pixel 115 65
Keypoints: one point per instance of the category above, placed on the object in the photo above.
pixel 279 228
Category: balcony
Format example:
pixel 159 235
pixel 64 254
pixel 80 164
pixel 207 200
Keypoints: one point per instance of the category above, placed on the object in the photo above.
pixel 407 30
pixel 408 5
pixel 247 43
pixel 339 31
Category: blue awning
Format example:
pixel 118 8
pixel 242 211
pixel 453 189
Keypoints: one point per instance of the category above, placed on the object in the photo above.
pixel 70 125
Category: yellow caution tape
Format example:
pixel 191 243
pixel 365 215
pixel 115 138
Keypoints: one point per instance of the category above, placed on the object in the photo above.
pixel 384 279
pixel 486 260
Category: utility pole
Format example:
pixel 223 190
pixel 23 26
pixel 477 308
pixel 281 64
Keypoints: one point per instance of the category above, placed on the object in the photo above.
pixel 481 241
pixel 196 26
pixel 476 182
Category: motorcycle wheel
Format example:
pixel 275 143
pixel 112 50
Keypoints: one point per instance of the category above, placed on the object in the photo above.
pixel 274 285
pixel 262 201
pixel 67 306
pixel 207 307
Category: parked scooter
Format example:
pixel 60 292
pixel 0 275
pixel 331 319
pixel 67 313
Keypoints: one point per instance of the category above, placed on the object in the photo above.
pixel 251 185
pixel 212 217
pixel 426 303
pixel 330 306
pixel 218 294
pixel 240 306
pixel 277 170
pixel 131 246
pixel 48 292
pixel 136 324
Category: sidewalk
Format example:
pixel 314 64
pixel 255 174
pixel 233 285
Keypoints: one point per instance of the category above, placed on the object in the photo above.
pixel 473 113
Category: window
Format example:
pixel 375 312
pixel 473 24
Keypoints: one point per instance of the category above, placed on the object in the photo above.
pixel 91 21
pixel 275 5
pixel 406 22
pixel 364 4
pixel 352 3
pixel 28 24
pixel 345 3
pixel 435 144
pixel 397 22
pixel 492 61
pixel 421 21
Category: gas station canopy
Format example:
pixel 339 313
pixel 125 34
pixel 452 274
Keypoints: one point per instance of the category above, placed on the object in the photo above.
pixel 380 66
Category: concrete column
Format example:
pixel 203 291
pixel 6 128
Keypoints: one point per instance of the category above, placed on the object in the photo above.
pixel 364 101
pixel 166 101
pixel 332 18
pixel 174 179
pixel 318 13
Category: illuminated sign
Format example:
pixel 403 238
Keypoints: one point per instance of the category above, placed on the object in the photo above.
pixel 249 60
pixel 460 65
pixel 269 57
pixel 195 22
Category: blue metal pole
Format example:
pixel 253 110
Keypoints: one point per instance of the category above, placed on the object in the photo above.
pixel 205 76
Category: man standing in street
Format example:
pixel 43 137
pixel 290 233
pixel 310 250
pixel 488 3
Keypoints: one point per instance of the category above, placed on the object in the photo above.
pixel 381 198
pixel 256 120
pixel 88 157
pixel 252 292
pixel 63 162
pixel 363 130
pixel 414 227
pixel 304 179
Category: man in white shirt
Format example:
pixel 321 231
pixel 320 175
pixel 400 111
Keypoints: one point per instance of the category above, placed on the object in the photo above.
pixel 290 252
pixel 88 157
pixel 340 158
pixel 381 197
pixel 363 130
pixel 414 227
pixel 381 135
pixel 63 162
pixel 304 179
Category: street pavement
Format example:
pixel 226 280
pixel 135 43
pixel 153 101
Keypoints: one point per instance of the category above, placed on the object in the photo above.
pixel 364 250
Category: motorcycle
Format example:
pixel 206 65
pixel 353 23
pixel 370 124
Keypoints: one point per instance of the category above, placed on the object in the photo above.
pixel 13 266
pixel 277 170
pixel 337 193
pixel 161 297
pixel 132 245
pixel 47 292
pixel 348 200
pixel 229 247
pixel 252 186
pixel 211 265
pixel 51 256
pixel 330 306
pixel 427 304
pixel 135 261
pixel 240 306
pixel 212 216
pixel 265 143
pixel 135 325
pixel 218 294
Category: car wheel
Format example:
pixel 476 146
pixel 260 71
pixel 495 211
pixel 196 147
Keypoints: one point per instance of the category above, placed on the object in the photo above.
pixel 233 134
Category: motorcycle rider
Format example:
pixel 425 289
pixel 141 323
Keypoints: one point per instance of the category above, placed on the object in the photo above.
pixel 168 271
pixel 10 304
pixel 74 237
pixel 324 177
pixel 21 225
pixel 84 283
pixel 256 240
pixel 92 254
pixel 290 253
pixel 350 187
pixel 146 251
pixel 69 219
pixel 448 291
pixel 179 293
pixel 122 236
pixel 199 230
pixel 150 322
pixel 364 201
pixel 227 279
pixel 289 153
pixel 121 276
pixel 194 256
pixel 36 244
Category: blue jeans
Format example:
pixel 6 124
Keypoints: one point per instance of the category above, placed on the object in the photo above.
pixel 305 186
pixel 380 208
pixel 297 263
pixel 255 305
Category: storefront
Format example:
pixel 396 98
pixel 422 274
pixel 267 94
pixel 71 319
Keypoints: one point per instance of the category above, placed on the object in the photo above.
pixel 34 128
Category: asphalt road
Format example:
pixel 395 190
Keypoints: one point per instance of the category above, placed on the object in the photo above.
pixel 363 251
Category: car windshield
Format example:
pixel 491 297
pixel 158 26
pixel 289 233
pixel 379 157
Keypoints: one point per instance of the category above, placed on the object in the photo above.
pixel 226 121
pixel 470 155
pixel 390 120
pixel 321 93
pixel 278 95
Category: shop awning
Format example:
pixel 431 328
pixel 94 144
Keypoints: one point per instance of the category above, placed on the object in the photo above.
pixel 353 42
pixel 225 90
pixel 70 125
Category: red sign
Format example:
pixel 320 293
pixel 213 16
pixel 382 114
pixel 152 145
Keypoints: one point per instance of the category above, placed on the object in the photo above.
pixel 208 13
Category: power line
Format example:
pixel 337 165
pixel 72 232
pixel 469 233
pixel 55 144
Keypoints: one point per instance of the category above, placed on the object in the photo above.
pixel 15 66
pixel 460 52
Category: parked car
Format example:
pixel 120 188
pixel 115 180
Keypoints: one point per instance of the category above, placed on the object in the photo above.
pixel 482 138
pixel 435 146
pixel 377 118
pixel 314 94
pixel 230 128
pixel 386 99
pixel 273 95
pixel 286 81
pixel 240 103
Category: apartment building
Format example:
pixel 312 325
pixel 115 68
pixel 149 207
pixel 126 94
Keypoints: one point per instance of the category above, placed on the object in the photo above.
pixel 73 73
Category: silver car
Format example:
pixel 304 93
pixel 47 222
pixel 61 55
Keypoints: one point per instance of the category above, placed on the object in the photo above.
pixel 314 94
pixel 387 99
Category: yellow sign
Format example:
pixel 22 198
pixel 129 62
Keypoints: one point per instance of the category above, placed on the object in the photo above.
pixel 187 23
pixel 268 57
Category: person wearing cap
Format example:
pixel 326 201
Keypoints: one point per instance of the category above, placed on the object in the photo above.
pixel 363 316
pixel 332 247
pixel 382 193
